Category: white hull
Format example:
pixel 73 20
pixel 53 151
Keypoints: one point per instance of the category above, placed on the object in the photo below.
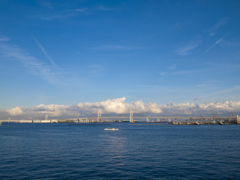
pixel 111 129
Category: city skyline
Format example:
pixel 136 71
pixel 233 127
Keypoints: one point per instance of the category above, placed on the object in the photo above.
pixel 69 58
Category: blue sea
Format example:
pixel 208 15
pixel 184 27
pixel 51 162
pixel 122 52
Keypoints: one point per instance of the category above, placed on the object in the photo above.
pixel 86 151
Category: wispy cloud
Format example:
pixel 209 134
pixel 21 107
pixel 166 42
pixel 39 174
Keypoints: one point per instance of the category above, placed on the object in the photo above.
pixel 44 51
pixel 45 4
pixel 213 30
pixel 64 14
pixel 80 9
pixel 185 50
pixel 181 72
pixel 103 8
pixel 231 43
pixel 4 38
pixel 34 66
pixel 96 69
pixel 172 66
pixel 71 12
pixel 117 47
pixel 217 42
pixel 195 99
pixel 56 16
pixel 201 85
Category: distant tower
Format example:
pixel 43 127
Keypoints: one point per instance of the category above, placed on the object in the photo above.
pixel 46 117
pixel 147 119
pixel 131 116
pixel 99 115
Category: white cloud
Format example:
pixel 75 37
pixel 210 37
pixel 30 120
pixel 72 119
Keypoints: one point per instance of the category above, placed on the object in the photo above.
pixel 15 111
pixel 118 106
pixel 55 110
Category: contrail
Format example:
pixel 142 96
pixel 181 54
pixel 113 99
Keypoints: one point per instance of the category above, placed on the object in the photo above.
pixel 44 52
pixel 218 41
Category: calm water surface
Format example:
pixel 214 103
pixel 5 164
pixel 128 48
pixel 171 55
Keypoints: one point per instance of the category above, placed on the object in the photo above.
pixel 67 151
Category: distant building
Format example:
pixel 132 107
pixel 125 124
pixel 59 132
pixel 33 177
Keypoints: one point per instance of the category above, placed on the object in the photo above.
pixel 238 119
pixel 45 121
pixel 25 121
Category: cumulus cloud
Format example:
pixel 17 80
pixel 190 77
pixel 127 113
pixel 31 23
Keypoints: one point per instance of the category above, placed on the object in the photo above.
pixel 15 111
pixel 55 110
pixel 118 107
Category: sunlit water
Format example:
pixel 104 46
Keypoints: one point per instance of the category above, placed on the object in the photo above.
pixel 80 151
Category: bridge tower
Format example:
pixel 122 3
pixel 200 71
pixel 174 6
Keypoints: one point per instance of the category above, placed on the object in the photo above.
pixel 147 119
pixel 99 115
pixel 131 116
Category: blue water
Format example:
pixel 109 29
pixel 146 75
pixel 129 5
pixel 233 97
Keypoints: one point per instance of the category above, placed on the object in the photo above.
pixel 64 151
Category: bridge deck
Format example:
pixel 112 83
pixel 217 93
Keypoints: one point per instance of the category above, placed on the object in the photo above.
pixel 135 117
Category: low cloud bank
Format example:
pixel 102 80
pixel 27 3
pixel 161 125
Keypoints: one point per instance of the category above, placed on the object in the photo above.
pixel 119 107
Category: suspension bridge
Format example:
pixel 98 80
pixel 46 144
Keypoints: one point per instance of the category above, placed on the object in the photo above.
pixel 132 119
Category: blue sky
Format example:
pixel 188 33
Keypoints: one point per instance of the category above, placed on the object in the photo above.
pixel 68 52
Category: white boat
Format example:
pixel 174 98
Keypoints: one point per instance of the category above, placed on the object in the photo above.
pixel 111 129
pixel 196 123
